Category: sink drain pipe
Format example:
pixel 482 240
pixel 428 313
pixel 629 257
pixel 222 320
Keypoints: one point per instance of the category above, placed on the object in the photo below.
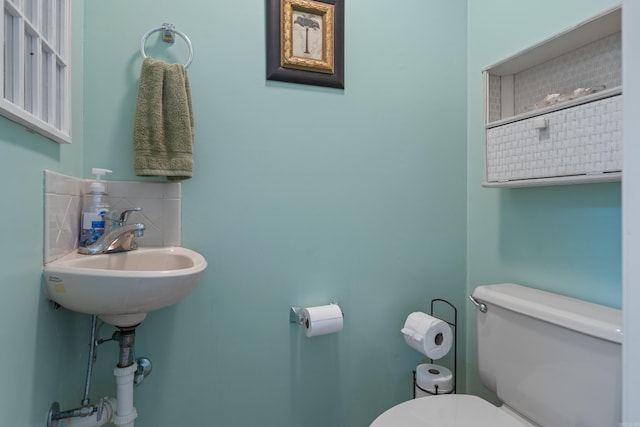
pixel 120 410
pixel 125 373
pixel 125 411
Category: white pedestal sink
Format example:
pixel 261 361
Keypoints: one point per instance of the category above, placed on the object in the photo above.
pixel 121 288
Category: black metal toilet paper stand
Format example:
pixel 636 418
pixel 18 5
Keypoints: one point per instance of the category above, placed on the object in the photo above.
pixel 454 326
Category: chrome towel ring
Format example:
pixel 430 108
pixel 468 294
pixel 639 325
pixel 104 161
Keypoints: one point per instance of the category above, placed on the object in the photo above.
pixel 169 30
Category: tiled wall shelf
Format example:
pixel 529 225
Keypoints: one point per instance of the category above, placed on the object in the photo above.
pixel 531 139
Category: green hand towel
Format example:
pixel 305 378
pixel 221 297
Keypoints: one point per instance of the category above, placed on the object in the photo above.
pixel 163 124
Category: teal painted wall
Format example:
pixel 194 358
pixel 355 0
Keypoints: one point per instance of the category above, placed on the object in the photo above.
pixel 565 239
pixel 39 348
pixel 370 209
pixel 301 195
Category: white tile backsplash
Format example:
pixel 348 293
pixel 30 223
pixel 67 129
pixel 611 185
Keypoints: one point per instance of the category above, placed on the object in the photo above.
pixel 160 203
pixel 62 224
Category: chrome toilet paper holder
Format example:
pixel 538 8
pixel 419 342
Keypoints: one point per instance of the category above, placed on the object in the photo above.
pixel 296 315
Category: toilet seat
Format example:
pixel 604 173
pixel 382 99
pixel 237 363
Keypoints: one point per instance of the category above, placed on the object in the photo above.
pixel 447 410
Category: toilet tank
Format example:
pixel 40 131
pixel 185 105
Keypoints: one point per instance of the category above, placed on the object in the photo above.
pixel 553 359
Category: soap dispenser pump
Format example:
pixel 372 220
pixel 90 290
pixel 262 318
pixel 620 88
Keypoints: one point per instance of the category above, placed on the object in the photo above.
pixel 95 207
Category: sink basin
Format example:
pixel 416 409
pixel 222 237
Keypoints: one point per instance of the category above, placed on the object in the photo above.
pixel 121 288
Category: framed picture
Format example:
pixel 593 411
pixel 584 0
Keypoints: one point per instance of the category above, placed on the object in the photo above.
pixel 305 42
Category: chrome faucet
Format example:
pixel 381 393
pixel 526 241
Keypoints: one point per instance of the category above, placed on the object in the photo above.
pixel 120 236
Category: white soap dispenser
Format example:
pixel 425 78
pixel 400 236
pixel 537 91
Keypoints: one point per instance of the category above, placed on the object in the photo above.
pixel 95 208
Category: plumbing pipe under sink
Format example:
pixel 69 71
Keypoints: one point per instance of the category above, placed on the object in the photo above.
pixel 125 411
pixel 92 421
pixel 119 411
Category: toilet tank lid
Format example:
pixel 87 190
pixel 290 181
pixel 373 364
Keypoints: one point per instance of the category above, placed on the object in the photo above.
pixel 581 316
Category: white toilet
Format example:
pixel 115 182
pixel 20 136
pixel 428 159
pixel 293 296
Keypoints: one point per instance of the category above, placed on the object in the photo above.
pixel 552 360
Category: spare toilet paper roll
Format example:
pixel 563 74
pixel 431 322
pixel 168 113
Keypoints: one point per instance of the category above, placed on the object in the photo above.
pixel 428 376
pixel 322 320
pixel 427 334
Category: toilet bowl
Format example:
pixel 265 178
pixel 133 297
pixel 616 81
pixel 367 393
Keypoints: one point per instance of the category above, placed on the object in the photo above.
pixel 541 353
pixel 449 410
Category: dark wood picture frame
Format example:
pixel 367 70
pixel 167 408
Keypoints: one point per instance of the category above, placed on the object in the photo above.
pixel 322 64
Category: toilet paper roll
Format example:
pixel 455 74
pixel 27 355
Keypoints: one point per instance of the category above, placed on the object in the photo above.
pixel 427 334
pixel 322 320
pixel 434 379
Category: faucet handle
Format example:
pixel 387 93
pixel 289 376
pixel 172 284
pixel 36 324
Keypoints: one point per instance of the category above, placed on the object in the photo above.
pixel 125 214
